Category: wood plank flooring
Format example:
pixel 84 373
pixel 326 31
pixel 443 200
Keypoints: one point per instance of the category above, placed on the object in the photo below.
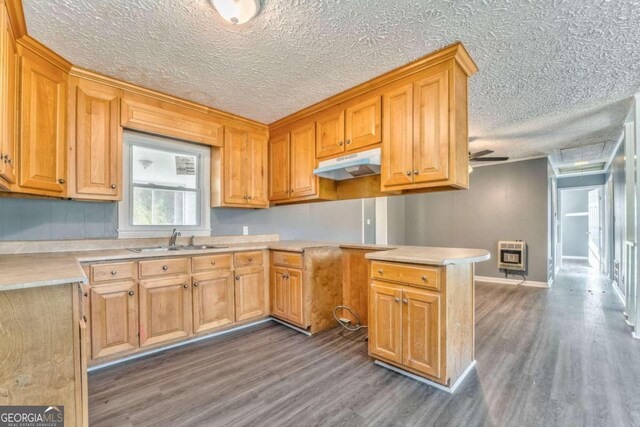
pixel 557 357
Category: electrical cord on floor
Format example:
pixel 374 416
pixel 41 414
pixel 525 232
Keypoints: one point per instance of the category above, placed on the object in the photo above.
pixel 345 323
pixel 524 278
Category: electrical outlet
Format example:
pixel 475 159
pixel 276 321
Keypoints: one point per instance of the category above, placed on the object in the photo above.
pixel 245 230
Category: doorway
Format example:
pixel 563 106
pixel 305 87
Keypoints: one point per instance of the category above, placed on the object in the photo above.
pixel 581 228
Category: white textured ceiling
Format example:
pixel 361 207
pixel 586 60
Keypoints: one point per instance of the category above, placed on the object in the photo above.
pixel 553 73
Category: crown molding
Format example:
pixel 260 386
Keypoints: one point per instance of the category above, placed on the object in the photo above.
pixel 28 42
pixel 16 17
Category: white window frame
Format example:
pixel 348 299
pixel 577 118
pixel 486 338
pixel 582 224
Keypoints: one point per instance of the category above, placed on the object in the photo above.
pixel 126 229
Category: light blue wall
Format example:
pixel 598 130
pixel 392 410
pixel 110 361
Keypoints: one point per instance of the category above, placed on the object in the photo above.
pixel 575 241
pixel 52 219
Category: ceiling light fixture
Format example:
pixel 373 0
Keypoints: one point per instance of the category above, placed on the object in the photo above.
pixel 237 11
pixel 581 163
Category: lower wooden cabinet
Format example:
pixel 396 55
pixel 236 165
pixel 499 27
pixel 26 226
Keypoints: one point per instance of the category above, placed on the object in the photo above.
pixel 287 299
pixel 385 322
pixel 213 300
pixel 165 309
pixel 249 293
pixel 114 318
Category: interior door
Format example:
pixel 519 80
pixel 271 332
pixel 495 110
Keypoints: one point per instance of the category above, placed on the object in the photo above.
pixel 397 138
pixel 594 228
pixel 249 293
pixel 165 309
pixel 114 318
pixel 431 131
pixel 303 161
pixel 236 166
pixel 330 134
pixel 98 148
pixel 421 342
pixel 295 301
pixel 385 322
pixel 364 124
pixel 279 168
pixel 213 301
pixel 257 175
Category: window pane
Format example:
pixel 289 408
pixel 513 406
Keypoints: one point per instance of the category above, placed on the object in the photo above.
pixel 164 207
pixel 166 168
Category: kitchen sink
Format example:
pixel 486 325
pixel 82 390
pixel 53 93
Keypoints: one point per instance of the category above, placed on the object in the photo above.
pixel 176 248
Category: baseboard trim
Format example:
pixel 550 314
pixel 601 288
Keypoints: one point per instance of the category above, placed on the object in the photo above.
pixel 576 257
pixel 433 384
pixel 295 328
pixel 618 292
pixel 504 281
pixel 176 345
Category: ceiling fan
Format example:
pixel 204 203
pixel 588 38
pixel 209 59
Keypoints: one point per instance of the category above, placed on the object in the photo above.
pixel 480 157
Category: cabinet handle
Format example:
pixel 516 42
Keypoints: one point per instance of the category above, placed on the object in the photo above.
pixel 113 186
pixel 424 279
pixel 397 299
pixel 131 293
pixel 185 286
pixel 408 173
pixel 165 267
pixel 113 272
pixel 406 301
pixel 348 142
pixel 61 181
pixel 416 172
pixel 195 284
pixel 237 277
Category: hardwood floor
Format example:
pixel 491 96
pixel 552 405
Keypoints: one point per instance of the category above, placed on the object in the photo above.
pixel 545 357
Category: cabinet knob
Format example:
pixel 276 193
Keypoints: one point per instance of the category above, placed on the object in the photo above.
pixel 250 259
pixel 408 173
pixel 249 197
pixel 165 267
pixel 213 263
pixel 185 286
pixel 195 284
pixel 406 301
pixel 397 299
pixel 113 186
pixel 113 272
pixel 348 142
pixel 86 294
pixel 424 279
pixel 416 172
pixel 237 277
pixel 61 181
pixel 245 197
pixel 340 143
pixel 131 293
pixel 379 271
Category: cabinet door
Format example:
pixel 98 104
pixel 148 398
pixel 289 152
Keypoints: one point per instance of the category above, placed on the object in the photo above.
pixel 279 292
pixel 249 293
pixel 421 332
pixel 236 165
pixel 165 310
pixel 303 161
pixel 8 100
pixel 397 138
pixel 258 160
pixel 364 124
pixel 98 147
pixel 114 318
pixel 385 322
pixel 330 134
pixel 279 168
pixel 213 302
pixel 43 106
pixel 295 304
pixel 431 128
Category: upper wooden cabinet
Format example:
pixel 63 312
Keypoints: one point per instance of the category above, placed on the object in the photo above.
pixel 8 100
pixel 279 170
pixel 244 180
pixel 43 130
pixel 397 155
pixel 352 129
pixel 303 181
pixel 95 154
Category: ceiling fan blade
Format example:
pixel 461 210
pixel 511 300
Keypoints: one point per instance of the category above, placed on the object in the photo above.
pixel 490 159
pixel 480 154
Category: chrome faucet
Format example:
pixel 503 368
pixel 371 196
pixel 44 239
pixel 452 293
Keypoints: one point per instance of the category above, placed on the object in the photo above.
pixel 174 235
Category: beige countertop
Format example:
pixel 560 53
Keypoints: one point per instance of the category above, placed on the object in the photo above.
pixel 27 270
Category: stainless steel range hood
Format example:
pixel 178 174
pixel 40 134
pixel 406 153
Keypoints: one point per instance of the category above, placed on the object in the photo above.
pixel 350 166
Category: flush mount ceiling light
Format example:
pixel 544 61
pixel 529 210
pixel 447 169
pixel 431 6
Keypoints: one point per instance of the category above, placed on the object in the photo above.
pixel 237 11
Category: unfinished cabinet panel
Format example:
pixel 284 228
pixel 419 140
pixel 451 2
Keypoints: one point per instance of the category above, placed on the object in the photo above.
pixel 165 310
pixel 96 154
pixel 330 134
pixel 303 161
pixel 385 322
pixel 249 293
pixel 114 318
pixel 279 168
pixel 363 126
pixel 43 107
pixel 8 101
pixel 213 300
pixel 397 151
pixel 431 128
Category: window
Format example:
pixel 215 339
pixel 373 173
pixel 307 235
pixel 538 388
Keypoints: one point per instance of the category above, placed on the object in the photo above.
pixel 166 186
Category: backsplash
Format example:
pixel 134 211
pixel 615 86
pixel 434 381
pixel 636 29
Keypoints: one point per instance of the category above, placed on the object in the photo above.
pixel 53 219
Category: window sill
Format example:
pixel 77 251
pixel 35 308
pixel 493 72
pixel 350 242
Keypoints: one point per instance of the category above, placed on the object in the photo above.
pixel 165 232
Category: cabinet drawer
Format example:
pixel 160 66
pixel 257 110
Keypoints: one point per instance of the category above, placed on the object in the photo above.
pixel 111 272
pixel 245 259
pixel 163 267
pixel 287 259
pixel 211 262
pixel 426 277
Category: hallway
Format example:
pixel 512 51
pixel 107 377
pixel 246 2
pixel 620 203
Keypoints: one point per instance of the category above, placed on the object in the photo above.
pixel 561 356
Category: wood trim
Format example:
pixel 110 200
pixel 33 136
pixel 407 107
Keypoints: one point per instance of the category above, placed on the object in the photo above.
pixel 455 51
pixel 44 52
pixel 16 16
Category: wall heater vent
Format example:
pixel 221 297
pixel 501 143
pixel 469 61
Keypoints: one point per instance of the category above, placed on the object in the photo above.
pixel 512 255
